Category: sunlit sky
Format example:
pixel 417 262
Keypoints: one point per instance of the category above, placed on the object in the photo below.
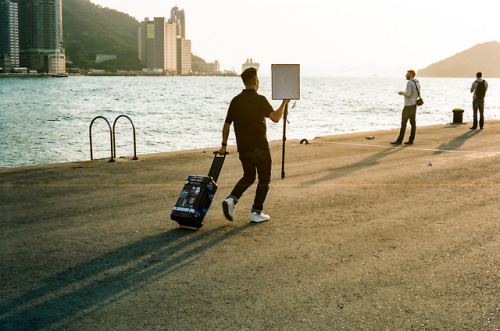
pixel 328 37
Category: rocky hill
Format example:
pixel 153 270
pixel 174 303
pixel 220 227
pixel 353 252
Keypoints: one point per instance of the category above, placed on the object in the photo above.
pixel 483 57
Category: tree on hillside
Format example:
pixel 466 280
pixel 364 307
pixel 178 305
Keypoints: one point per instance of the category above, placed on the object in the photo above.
pixel 89 29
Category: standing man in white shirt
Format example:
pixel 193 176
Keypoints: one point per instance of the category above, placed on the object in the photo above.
pixel 479 88
pixel 410 109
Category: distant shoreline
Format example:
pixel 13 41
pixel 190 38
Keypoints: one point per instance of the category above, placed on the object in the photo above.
pixel 117 74
pixel 140 74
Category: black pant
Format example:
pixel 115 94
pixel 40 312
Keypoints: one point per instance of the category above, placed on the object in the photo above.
pixel 478 104
pixel 409 113
pixel 258 161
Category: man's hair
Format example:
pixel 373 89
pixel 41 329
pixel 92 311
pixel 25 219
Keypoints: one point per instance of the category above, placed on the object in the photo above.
pixel 248 76
pixel 479 75
pixel 412 72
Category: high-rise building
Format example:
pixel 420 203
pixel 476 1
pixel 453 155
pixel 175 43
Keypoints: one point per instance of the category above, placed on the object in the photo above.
pixel 183 45
pixel 25 31
pixel 47 25
pixel 184 66
pixel 158 44
pixel 9 36
pixel 171 47
pixel 177 16
pixel 162 44
pixel 40 32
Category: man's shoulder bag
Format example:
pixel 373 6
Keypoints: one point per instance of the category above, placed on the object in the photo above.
pixel 420 101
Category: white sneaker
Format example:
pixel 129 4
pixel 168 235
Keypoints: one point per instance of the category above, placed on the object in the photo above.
pixel 228 208
pixel 259 218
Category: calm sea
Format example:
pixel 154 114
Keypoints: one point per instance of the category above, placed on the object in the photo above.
pixel 46 120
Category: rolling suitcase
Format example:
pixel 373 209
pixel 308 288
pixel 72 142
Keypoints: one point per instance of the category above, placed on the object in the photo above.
pixel 197 196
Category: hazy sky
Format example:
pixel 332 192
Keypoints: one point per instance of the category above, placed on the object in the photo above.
pixel 328 37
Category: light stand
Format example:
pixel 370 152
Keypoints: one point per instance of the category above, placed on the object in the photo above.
pixel 285 115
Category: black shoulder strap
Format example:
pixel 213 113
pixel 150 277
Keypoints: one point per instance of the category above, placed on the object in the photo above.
pixel 416 85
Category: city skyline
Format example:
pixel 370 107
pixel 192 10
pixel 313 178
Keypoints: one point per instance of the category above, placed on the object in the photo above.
pixel 328 37
pixel 32 35
pixel 9 34
pixel 157 44
pixel 163 46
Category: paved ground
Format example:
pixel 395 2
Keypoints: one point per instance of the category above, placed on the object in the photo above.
pixel 363 235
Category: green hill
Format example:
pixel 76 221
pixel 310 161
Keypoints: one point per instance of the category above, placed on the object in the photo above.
pixel 89 29
pixel 483 57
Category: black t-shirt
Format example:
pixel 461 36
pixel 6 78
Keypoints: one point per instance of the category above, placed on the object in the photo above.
pixel 248 110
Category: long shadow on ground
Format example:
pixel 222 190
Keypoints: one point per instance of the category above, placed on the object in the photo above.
pixel 93 284
pixel 364 163
pixel 457 142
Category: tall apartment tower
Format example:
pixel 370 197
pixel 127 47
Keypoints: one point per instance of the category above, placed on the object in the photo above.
pixel 9 36
pixel 177 16
pixel 40 33
pixel 183 45
pixel 158 44
pixel 184 56
pixel 162 44
pixel 170 47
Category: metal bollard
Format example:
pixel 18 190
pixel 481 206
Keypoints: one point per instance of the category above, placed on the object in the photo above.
pixel 458 115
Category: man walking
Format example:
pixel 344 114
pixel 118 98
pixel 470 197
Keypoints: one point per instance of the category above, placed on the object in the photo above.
pixel 411 95
pixel 479 88
pixel 248 111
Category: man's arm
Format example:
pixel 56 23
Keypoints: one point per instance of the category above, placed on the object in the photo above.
pixel 276 115
pixel 408 88
pixel 473 87
pixel 406 93
pixel 225 135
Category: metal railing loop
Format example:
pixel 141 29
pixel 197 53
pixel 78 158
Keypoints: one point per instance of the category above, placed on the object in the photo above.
pixel 110 137
pixel 114 136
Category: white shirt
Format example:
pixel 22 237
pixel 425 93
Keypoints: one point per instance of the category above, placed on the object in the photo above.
pixel 411 94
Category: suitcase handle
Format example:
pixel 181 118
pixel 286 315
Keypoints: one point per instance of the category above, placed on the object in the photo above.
pixel 217 165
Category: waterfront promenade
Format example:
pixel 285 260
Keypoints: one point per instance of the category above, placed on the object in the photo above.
pixel 363 235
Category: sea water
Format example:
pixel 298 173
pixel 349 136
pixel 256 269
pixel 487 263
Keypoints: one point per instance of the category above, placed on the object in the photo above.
pixel 47 120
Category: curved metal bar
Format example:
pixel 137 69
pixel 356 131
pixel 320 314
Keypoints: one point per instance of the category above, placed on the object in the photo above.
pixel 114 136
pixel 110 137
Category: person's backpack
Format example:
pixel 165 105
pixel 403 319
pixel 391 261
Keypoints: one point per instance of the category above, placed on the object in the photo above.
pixel 480 90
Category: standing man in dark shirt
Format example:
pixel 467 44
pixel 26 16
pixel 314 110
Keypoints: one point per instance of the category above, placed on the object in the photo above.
pixel 479 88
pixel 248 111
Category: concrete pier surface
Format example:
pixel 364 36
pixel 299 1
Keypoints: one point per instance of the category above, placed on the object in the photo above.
pixel 363 235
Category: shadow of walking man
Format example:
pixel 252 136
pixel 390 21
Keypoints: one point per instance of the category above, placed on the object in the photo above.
pixel 94 284
pixel 364 163
pixel 457 142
